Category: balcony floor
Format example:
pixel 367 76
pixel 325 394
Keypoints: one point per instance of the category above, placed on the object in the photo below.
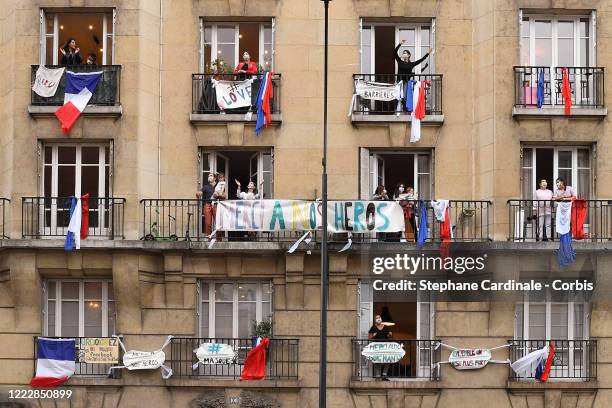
pixel 216 118
pixel 90 110
pixel 373 118
pixel 549 112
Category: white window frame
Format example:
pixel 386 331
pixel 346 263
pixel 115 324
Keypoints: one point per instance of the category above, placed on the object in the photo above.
pixel 213 41
pixel 109 17
pixel 235 304
pixel 554 20
pixel 58 306
pixel 366 25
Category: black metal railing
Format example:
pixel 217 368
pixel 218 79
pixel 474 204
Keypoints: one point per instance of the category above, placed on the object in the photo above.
pixel 433 94
pixel 573 360
pixel 420 360
pixel 5 207
pixel 106 94
pixel 48 217
pixel 281 358
pixel 586 86
pixel 204 99
pixel 534 220
pixel 192 219
pixel 84 368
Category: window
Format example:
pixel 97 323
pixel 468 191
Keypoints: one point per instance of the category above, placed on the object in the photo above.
pixel 79 308
pixel 378 41
pixel 573 164
pixel 228 309
pixel 557 41
pixel 92 31
pixel 70 169
pixel 245 166
pixel 228 41
pixel 390 168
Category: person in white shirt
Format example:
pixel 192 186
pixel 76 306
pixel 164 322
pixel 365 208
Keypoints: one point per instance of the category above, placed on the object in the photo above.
pixel 220 189
pixel 250 194
pixel 563 192
pixel 542 208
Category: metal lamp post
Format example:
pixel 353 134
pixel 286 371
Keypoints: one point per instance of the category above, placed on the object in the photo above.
pixel 324 259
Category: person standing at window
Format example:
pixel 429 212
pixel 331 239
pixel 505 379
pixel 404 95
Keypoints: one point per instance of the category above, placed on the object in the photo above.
pixel 250 194
pixel 220 189
pixel 210 211
pixel 542 209
pixel 404 65
pixel 91 59
pixel 380 194
pixel 380 332
pixel 70 53
pixel 563 192
pixel 246 68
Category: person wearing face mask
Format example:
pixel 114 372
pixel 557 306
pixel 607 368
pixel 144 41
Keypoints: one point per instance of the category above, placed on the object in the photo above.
pixel 563 192
pixel 380 194
pixel 405 198
pixel 405 67
pixel 208 208
pixel 250 194
pixel 246 67
pixel 379 331
pixel 542 209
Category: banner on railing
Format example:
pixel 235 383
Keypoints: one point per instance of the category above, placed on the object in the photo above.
pixel 99 350
pixel 378 91
pixel 47 81
pixel 297 215
pixel 384 352
pixel 233 94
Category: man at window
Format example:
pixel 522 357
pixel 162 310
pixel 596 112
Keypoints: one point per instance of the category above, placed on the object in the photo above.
pixel 206 194
pixel 563 192
pixel 246 67
pixel 541 206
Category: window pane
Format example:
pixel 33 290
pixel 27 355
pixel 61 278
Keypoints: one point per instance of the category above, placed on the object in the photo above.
pixel 525 27
pixel 366 51
pixel 584 183
pixel 111 318
pixel 266 292
pixel 204 290
pixel 248 40
pixel 204 318
pixel 51 290
pixel 93 319
pixel 66 154
pixel 425 37
pixel 583 158
pixel 90 180
pixel 558 321
pixel 565 49
pixel 565 29
pixel 424 320
pixel 268 34
pixel 409 36
pixel 48 154
pixel 93 290
pixel 225 52
pixel 90 155
pixel 246 317
pixel 70 290
pixel 247 291
pixel 584 52
pixel 584 27
pixel 65 181
pixel 542 28
pixel 226 34
pixel 537 321
pixel 519 322
pixel 566 175
pixel 224 292
pixel 51 318
pixel 525 50
pixel 578 321
pixel 565 159
pixel 266 311
pixel 224 316
pixel 111 291
pixel 70 319
pixel 49 51
pixel 543 52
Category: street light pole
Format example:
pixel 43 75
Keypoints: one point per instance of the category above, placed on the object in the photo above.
pixel 324 258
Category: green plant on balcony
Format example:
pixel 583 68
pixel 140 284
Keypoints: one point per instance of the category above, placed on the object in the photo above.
pixel 262 329
pixel 218 67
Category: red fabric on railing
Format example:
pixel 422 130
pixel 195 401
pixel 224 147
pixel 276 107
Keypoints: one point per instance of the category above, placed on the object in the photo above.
pixel 579 213
pixel 566 92
pixel 255 362
pixel 85 215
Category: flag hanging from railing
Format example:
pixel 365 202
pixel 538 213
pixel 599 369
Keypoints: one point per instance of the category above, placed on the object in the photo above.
pixel 579 213
pixel 566 92
pixel 422 233
pixel 527 366
pixel 73 235
pixel 47 81
pixel 80 87
pixel 55 362
pixel 442 215
pixel 418 97
pixel 264 114
pixel 255 362
pixel 566 254
pixel 540 89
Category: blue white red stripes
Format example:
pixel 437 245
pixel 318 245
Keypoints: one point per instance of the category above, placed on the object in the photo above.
pixel 55 362
pixel 78 91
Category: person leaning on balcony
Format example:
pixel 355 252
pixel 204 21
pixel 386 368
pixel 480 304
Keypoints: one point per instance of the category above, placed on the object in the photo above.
pixel 91 59
pixel 379 331
pixel 247 67
pixel 542 208
pixel 380 194
pixel 563 192
pixel 206 194
pixel 70 53
pixel 404 65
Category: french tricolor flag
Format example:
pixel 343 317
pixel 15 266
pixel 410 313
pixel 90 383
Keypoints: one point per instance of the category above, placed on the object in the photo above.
pixel 80 86
pixel 264 114
pixel 55 362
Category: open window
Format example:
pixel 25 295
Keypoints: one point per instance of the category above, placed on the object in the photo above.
pixel 412 325
pixel 223 43
pixel 93 31
pixel 389 168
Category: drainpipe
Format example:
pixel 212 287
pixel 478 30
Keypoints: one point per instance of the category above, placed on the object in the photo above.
pixel 159 123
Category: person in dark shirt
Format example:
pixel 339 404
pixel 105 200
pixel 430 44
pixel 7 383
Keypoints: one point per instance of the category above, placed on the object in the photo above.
pixel 246 68
pixel 404 65
pixel 379 331
pixel 209 209
pixel 70 53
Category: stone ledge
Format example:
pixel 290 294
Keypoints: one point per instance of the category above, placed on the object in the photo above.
pixel 415 383
pixel 232 383
pixel 545 113
pixel 527 386
pixel 216 118
pixel 372 118
pixel 90 110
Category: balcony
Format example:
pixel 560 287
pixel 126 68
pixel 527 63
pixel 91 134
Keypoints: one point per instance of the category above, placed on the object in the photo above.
pixel 5 207
pixel 575 360
pixel 365 111
pixel 420 361
pixel 586 85
pixel 524 222
pixel 48 217
pixel 281 359
pixel 104 102
pixel 84 368
pixel 183 220
pixel 204 108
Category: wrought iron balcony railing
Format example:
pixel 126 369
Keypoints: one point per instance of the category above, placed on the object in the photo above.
pixel 204 99
pixel 419 361
pixel 186 219
pixel 433 95
pixel 574 359
pixel 5 207
pixel 281 358
pixel 84 368
pixel 48 217
pixel 534 220
pixel 106 94
pixel 586 86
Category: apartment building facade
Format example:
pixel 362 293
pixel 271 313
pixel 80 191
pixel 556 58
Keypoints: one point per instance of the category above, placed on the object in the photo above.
pixel 494 126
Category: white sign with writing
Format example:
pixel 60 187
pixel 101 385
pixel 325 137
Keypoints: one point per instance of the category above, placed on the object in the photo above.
pixel 378 91
pixel 383 352
pixel 469 359
pixel 233 94
pixel 143 360
pixel 215 353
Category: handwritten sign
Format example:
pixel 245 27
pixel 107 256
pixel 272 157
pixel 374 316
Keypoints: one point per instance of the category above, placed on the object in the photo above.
pixel 378 91
pixel 383 352
pixel 143 360
pixel 469 359
pixel 215 353
pixel 99 350
pixel 233 94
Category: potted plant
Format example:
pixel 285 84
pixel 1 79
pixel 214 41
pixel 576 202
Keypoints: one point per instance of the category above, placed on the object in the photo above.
pixel 219 67
pixel 260 330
